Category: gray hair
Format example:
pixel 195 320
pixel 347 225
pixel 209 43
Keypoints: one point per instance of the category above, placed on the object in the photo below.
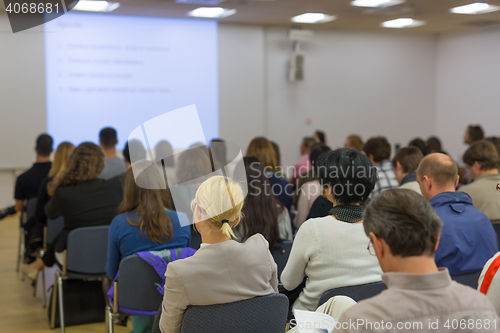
pixel 405 220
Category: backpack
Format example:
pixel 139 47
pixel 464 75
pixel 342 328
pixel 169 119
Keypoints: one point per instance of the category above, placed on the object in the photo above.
pixel 158 260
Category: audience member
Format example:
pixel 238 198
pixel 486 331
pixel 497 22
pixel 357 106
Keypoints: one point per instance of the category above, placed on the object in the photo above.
pixel 80 198
pixel 434 145
pixel 277 152
pixel 473 133
pixel 165 153
pixel 355 142
pixel 320 137
pixel 496 141
pixel 262 148
pixel 114 165
pixel 28 183
pixel 405 165
pixel 36 225
pixel 404 233
pixel 309 191
pixel 378 151
pixel 331 251
pixel 467 239
pixel 263 213
pixel 236 271
pixel 482 161
pixel 304 165
pixel 218 153
pixel 191 168
pixel 489 281
pixel 420 144
pixel 146 223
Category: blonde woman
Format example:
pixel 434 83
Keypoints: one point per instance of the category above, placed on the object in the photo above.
pixel 35 225
pixel 222 270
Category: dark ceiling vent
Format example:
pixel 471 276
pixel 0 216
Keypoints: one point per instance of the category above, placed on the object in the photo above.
pixel 482 23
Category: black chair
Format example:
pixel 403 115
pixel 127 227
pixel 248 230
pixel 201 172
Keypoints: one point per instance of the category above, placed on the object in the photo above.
pixel 84 258
pixel 357 293
pixel 281 254
pixel 24 217
pixel 135 289
pixel 260 314
pixel 468 279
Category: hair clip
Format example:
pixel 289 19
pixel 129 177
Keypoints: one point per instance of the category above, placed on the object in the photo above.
pixel 225 221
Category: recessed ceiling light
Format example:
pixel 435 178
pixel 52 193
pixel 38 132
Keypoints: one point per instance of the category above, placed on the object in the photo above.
pixel 313 18
pixel 96 6
pixel 212 12
pixel 475 8
pixel 402 23
pixel 376 3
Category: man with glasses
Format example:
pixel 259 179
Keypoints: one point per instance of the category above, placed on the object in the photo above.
pixel 404 233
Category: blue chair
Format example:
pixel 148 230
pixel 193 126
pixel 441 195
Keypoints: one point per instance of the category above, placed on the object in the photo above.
pixel 259 314
pixel 357 293
pixel 84 258
pixel 468 279
pixel 281 254
pixel 135 289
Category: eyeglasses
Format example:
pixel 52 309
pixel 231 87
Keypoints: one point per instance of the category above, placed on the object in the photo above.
pixel 370 248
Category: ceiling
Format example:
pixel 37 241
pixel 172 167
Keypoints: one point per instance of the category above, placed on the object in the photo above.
pixel 278 12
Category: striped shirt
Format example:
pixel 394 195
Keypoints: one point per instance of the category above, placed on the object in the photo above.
pixel 386 178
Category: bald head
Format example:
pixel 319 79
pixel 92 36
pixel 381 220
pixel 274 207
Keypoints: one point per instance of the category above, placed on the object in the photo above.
pixel 440 168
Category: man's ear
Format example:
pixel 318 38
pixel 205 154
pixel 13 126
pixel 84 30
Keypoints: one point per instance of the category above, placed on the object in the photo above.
pixel 399 166
pixel 235 223
pixel 437 243
pixel 377 245
pixel 370 156
pixel 458 181
pixel 427 183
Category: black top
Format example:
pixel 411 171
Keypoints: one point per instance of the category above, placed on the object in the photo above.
pixel 92 203
pixel 321 207
pixel 28 183
pixel 43 198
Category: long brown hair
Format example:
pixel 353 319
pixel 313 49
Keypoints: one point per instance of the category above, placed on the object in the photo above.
pixel 263 149
pixel 61 157
pixel 150 203
pixel 85 163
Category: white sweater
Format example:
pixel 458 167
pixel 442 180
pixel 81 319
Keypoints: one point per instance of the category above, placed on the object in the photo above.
pixel 331 254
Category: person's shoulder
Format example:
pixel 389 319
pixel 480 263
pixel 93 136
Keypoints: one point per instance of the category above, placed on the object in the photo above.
pixel 471 297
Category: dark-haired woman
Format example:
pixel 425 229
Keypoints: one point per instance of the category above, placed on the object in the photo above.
pixel 80 198
pixel 331 251
pixel 146 223
pixel 262 212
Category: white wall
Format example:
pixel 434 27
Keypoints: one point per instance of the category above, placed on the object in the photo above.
pixel 366 83
pixel 468 83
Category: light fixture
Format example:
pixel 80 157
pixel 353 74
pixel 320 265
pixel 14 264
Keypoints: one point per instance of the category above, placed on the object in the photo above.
pixel 96 6
pixel 212 12
pixel 402 23
pixel 475 8
pixel 376 3
pixel 313 18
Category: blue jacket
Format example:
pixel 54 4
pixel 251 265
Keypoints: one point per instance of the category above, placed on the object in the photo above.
pixel 468 239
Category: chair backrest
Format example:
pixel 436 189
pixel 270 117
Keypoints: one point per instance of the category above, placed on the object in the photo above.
pixel 137 285
pixel 357 293
pixel 468 279
pixel 260 314
pixel 87 250
pixel 54 227
pixel 281 254
pixel 31 208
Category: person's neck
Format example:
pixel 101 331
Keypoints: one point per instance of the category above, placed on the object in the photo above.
pixel 378 163
pixel 488 172
pixel 42 159
pixel 443 190
pixel 109 152
pixel 415 265
pixel 213 238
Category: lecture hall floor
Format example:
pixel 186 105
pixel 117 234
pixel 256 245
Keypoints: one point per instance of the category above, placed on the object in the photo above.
pixel 20 312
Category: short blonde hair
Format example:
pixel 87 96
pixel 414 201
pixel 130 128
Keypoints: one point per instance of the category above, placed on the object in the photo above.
pixel 222 199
